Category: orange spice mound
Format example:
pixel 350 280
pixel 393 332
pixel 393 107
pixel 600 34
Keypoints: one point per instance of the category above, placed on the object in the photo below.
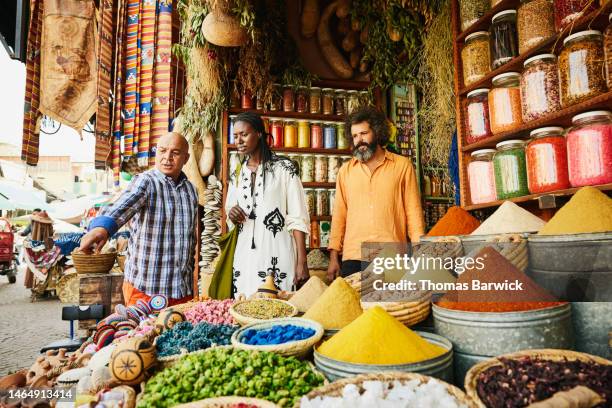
pixel 456 221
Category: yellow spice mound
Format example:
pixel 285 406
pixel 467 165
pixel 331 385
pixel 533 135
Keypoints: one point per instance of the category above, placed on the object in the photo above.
pixel 588 211
pixel 336 307
pixel 376 337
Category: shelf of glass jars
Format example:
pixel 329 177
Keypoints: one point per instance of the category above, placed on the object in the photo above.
pixel 439 199
pixel 559 118
pixel 522 199
pixel 483 23
pixel 290 115
pixel 306 150
pixel 593 20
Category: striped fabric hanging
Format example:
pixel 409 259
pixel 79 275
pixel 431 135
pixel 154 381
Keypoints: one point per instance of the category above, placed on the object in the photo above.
pixel 104 60
pixel 131 74
pixel 31 117
pixel 118 87
pixel 162 77
pixel 145 87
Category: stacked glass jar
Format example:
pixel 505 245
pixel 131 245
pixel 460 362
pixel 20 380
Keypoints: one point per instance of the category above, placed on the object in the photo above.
pixel 481 177
pixel 546 160
pixel 510 169
pixel 540 87
pixel 505 110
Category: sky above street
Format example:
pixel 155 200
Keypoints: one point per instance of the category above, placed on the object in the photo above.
pixel 12 89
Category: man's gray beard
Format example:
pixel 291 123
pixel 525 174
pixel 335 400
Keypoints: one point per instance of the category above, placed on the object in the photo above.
pixel 364 156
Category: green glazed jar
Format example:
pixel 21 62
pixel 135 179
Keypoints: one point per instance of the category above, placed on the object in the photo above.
pixel 510 169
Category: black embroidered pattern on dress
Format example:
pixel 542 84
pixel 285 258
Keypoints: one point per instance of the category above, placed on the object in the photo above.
pixel 290 167
pixel 235 276
pixel 274 221
pixel 276 273
pixel 262 275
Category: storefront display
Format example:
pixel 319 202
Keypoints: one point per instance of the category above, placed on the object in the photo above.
pixel 581 67
pixel 476 57
pixel 540 87
pixel 471 10
pixel 505 103
pixel 510 169
pixel 589 149
pixel 546 160
pixel 503 38
pixel 535 23
pixel 477 115
pixel 482 177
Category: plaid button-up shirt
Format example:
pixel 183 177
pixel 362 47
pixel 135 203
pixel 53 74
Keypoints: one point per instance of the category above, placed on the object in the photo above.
pixel 162 232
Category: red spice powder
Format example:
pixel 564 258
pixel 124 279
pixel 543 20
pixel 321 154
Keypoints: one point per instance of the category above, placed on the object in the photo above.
pixel 497 269
pixel 456 221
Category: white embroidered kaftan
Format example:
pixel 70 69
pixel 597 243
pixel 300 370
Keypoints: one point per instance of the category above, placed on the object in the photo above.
pixel 265 240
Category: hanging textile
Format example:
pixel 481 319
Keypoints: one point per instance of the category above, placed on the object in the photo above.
pixel 131 74
pixel 118 89
pixel 104 61
pixel 161 82
pixel 68 62
pixel 145 86
pixel 31 117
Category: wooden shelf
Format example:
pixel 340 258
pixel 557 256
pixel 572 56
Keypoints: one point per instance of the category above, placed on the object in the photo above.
pixel 302 150
pixel 560 118
pixel 320 218
pixel 290 115
pixel 439 199
pixel 553 44
pixel 318 185
pixel 570 191
pixel 484 22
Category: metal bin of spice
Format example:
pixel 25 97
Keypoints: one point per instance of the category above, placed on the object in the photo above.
pixel 439 367
pixel 591 325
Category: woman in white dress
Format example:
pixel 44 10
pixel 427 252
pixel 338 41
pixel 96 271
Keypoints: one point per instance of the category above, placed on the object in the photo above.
pixel 266 202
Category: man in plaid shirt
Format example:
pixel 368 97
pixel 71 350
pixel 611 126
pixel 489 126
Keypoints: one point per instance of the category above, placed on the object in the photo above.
pixel 161 205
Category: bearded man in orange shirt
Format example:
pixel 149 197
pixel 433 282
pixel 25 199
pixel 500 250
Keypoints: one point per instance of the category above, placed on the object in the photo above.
pixel 377 196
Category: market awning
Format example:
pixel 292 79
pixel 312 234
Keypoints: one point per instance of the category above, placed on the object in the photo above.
pixel 22 198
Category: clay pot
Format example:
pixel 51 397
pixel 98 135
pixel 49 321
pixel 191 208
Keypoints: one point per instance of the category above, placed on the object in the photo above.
pixel 268 289
pixel 16 380
pixel 223 30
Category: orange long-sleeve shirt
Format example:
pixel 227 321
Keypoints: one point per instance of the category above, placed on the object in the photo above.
pixel 379 206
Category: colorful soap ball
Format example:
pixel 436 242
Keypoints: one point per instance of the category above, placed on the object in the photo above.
pixel 276 335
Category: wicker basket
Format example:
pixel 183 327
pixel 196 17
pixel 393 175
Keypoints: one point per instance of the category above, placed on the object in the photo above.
pixel 471 378
pixel 335 389
pixel 298 348
pixel 224 402
pixel 244 320
pixel 93 263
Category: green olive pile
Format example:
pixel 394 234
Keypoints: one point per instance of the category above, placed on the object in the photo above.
pixel 227 372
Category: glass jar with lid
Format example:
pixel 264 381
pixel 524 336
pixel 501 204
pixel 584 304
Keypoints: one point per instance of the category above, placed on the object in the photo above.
pixel 277 132
pixel 352 100
pixel 329 135
pixel 290 133
pixel 364 98
pixel 340 102
pixel 327 101
pixel 276 103
pixel 510 169
pixel 333 167
pixel 301 100
pixel 567 11
pixel 311 200
pixel 316 135
pixel 303 134
pixel 471 10
pixel 288 99
pixel 476 57
pixel 546 160
pixel 505 110
pixel 343 142
pixel 581 67
pixel 608 52
pixel 322 202
pixel 307 174
pixel 504 43
pixel 481 177
pixel 589 149
pixel 477 115
pixel 535 23
pixel 320 168
pixel 315 100
pixel 540 87
pixel 246 99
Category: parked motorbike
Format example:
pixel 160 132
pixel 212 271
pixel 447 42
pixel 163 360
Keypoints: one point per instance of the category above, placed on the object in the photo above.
pixel 8 256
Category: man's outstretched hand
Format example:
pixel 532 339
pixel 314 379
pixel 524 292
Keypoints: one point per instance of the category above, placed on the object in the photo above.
pixel 94 240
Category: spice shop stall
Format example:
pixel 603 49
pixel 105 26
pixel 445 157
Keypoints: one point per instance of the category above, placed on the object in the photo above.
pixel 535 212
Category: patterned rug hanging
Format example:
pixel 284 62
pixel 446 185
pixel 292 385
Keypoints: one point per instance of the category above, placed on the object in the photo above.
pixel 118 88
pixel 32 116
pixel 131 73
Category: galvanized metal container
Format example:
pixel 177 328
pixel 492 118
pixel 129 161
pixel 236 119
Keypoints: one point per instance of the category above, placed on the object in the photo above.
pixel 573 267
pixel 472 242
pixel 492 334
pixel 592 322
pixel 440 367
pixel 462 363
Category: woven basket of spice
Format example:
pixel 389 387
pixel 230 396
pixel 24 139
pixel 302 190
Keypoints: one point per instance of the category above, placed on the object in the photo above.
pixel 295 348
pixel 258 310
pixel 336 388
pixel 229 402
pixel 93 263
pixel 525 371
